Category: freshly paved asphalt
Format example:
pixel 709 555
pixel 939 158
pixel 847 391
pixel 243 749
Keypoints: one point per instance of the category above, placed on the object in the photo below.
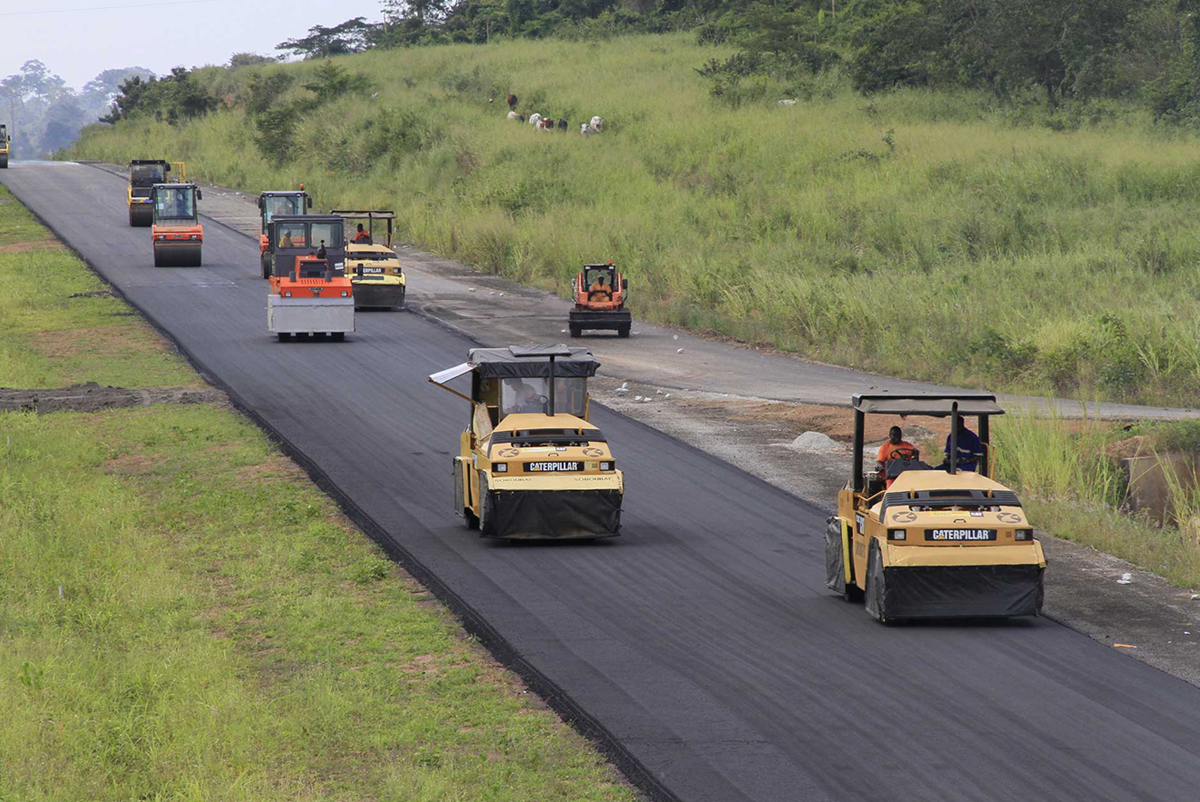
pixel 701 644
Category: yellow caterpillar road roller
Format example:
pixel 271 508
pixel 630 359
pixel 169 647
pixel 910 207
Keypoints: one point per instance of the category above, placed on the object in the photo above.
pixel 916 541
pixel 373 267
pixel 530 464
pixel 143 175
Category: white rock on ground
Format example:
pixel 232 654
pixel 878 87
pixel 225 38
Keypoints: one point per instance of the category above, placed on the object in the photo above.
pixel 816 442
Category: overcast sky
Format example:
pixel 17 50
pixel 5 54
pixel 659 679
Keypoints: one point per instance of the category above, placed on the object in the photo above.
pixel 79 38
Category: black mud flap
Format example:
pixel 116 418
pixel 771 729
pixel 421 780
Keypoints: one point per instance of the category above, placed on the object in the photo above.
pixel 960 591
pixel 554 514
pixel 835 569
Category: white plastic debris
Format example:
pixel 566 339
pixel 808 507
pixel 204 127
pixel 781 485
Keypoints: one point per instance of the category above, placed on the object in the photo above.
pixel 624 388
pixel 1195 596
pixel 646 399
pixel 675 337
pixel 636 333
pixel 637 398
pixel 680 351
pixel 470 289
pixel 564 331
pixel 1126 579
pixel 668 395
pixel 658 392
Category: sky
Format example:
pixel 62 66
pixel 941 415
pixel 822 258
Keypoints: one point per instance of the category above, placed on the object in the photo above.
pixel 79 38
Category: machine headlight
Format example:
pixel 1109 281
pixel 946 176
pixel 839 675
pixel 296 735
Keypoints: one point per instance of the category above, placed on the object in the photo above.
pixel 500 467
pixel 897 534
pixel 395 270
pixel 344 293
pixel 1023 534
pixel 287 294
pixel 606 466
pixel 160 237
pixel 194 236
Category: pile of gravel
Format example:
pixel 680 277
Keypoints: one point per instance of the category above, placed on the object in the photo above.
pixel 815 442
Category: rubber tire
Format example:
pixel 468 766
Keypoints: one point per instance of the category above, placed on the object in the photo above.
pixel 460 508
pixel 487 526
pixel 157 262
pixel 623 332
pixel 285 336
pixel 265 265
pixel 874 594
pixel 338 336
pixel 576 332
pixel 3 162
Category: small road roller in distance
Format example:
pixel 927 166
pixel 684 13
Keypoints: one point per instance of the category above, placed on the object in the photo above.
pixel 143 175
pixel 309 293
pixel 373 267
pixel 914 541
pixel 291 202
pixel 177 234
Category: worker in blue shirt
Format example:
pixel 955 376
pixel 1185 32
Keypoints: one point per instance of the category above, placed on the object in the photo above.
pixel 970 448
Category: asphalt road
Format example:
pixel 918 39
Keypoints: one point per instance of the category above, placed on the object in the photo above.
pixel 701 644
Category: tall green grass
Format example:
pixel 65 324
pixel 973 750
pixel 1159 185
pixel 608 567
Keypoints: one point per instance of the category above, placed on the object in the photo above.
pixel 1074 489
pixel 923 234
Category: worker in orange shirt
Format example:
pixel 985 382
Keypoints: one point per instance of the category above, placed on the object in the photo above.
pixel 599 291
pixel 895 447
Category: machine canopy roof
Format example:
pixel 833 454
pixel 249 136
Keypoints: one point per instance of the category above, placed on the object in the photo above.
pixel 938 406
pixel 533 361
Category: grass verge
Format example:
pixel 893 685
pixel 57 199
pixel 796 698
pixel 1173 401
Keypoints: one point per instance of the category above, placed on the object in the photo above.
pixel 184 617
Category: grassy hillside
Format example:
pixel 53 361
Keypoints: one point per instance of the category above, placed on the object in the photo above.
pixel 183 616
pixel 922 234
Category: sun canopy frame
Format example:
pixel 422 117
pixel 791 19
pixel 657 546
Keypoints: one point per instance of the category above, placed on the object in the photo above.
pixel 932 405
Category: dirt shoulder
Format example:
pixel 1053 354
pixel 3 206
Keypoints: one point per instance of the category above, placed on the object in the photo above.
pixel 747 405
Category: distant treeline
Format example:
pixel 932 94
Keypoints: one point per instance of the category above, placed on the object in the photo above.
pixel 43 114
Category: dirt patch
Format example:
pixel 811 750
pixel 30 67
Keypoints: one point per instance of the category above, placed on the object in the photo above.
pixel 93 294
pixel 92 397
pixel 33 245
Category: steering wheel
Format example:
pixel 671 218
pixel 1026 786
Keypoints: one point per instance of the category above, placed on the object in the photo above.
pixel 904 453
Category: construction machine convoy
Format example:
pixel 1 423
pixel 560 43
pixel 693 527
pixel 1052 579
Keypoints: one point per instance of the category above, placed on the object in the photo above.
pixel 309 291
pixel 5 142
pixel 921 542
pixel 373 267
pixel 176 232
pixel 290 202
pixel 600 294
pixel 530 464
pixel 143 175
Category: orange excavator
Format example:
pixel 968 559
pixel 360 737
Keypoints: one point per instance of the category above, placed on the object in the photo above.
pixel 273 203
pixel 176 232
pixel 309 291
pixel 600 294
